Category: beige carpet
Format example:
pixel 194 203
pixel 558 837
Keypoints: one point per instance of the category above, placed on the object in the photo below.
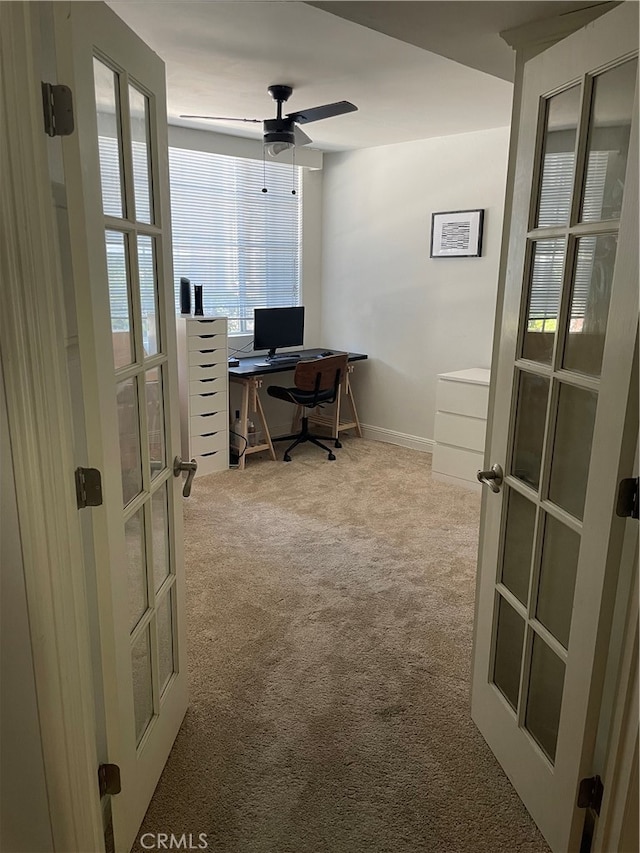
pixel 330 610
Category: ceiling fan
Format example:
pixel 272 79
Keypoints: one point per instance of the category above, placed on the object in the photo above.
pixel 282 132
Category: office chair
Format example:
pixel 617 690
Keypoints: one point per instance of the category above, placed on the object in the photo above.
pixel 315 382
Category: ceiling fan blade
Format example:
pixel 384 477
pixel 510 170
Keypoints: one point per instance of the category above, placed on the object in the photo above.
pixel 325 111
pixel 300 136
pixel 226 118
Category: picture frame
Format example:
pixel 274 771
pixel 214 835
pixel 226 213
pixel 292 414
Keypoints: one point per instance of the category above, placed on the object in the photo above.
pixel 457 234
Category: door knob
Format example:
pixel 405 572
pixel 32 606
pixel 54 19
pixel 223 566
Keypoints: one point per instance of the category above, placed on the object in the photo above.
pixel 492 478
pixel 190 467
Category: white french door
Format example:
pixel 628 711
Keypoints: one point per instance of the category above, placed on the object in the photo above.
pixel 116 176
pixel 563 430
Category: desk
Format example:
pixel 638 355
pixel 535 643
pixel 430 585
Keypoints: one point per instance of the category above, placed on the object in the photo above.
pixel 250 373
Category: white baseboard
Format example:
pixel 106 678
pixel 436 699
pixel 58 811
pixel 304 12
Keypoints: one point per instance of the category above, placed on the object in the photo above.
pixel 390 436
pixel 414 442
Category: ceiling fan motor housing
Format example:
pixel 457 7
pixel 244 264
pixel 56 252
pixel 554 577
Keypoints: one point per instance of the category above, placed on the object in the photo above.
pixel 278 130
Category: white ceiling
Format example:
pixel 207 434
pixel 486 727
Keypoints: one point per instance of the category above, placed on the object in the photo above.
pixel 222 54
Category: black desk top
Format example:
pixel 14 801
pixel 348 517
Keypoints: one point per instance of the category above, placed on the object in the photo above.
pixel 256 365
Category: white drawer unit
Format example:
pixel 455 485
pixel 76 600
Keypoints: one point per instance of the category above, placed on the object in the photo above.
pixel 462 398
pixel 204 398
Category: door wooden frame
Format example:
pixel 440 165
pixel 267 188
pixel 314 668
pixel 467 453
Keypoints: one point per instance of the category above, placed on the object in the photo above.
pixel 618 756
pixel 37 389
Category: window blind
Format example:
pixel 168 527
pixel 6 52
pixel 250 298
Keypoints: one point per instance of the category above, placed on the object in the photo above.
pixel 241 244
pixel 555 204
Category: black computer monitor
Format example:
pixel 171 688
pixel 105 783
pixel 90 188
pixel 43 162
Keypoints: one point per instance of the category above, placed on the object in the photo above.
pixel 278 327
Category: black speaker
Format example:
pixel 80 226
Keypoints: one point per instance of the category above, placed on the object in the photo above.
pixel 197 293
pixel 185 296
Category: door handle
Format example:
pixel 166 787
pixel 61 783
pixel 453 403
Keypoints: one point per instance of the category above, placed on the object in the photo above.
pixel 492 478
pixel 190 467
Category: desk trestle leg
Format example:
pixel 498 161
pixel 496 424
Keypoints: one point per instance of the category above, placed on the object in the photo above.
pixel 251 405
pixel 332 420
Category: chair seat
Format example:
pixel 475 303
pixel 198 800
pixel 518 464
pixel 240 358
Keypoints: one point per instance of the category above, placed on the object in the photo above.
pixel 302 398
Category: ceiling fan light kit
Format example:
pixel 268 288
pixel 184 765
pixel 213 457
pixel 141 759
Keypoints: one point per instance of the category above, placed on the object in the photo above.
pixel 281 133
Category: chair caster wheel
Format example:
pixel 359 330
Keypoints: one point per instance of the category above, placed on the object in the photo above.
pixel 287 458
pixel 332 456
pixel 337 444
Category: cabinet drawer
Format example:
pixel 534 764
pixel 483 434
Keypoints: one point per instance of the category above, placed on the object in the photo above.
pixel 208 326
pixel 456 462
pixel 217 460
pixel 202 444
pixel 206 341
pixel 207 371
pixel 208 356
pixel 460 431
pixel 214 400
pixel 462 398
pixel 206 386
pixel 207 423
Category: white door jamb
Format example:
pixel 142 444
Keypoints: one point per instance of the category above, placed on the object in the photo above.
pixel 38 400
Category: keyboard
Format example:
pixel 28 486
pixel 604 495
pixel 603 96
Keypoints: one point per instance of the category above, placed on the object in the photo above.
pixel 283 359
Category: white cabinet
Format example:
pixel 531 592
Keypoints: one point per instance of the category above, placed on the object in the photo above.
pixel 461 422
pixel 204 392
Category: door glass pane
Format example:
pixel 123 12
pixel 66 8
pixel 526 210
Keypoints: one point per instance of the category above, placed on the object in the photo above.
pixel 518 542
pixel 139 107
pixel 142 692
pixel 155 420
pixel 165 640
pixel 557 578
pixel 544 299
pixel 558 163
pixel 129 429
pixel 137 575
pixel 532 409
pixel 545 696
pixel 508 654
pixel 119 301
pixel 160 533
pixel 148 294
pixel 591 291
pixel 608 147
pixel 572 448
pixel 106 89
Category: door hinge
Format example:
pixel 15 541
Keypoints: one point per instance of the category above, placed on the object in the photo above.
pixel 590 793
pixel 109 779
pixel 628 505
pixel 88 487
pixel 57 106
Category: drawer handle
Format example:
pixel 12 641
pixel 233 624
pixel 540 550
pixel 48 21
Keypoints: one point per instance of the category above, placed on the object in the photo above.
pixel 203 366
pixel 207 414
pixel 211 453
pixel 209 434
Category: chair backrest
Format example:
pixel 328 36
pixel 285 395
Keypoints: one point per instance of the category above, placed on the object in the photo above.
pixel 321 374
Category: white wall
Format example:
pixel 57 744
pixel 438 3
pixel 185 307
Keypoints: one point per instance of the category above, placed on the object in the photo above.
pixel 414 316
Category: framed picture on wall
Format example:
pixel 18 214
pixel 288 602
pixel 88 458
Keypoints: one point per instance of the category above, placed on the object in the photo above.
pixel 457 234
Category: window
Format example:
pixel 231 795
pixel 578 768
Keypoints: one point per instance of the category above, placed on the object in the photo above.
pixel 555 204
pixel 241 244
